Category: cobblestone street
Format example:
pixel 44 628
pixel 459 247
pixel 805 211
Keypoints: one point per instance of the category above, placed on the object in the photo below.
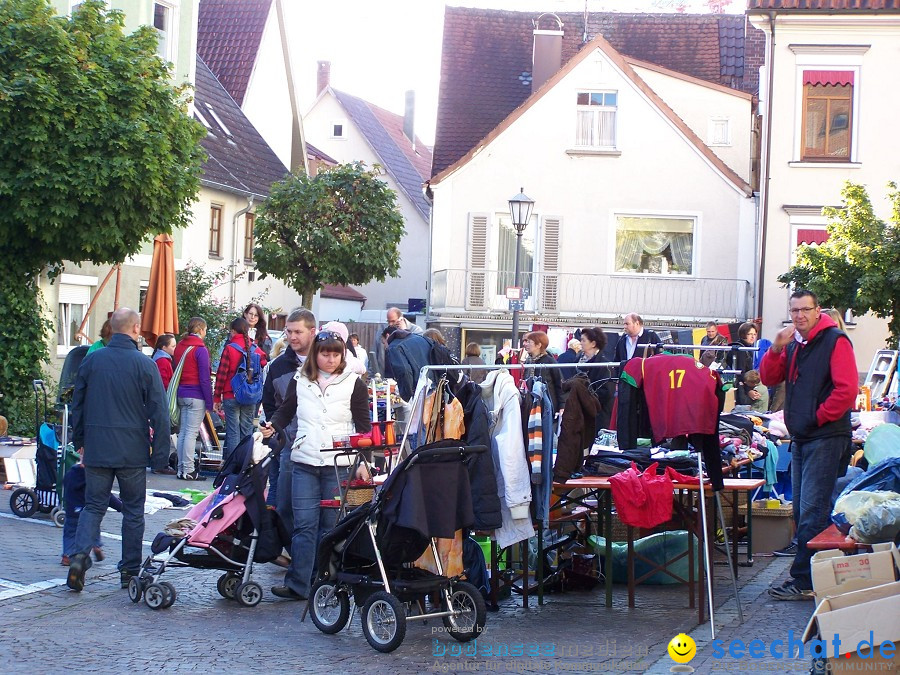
pixel 48 628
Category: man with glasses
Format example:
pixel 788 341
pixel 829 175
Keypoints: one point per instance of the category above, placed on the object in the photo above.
pixel 815 360
pixel 395 318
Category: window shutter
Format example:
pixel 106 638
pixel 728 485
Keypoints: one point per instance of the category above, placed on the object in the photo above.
pixel 476 291
pixel 550 264
pixel 74 295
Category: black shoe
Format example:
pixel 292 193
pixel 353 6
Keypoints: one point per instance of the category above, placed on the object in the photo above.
pixel 788 551
pixel 790 591
pixel 164 472
pixel 286 593
pixel 125 577
pixel 194 475
pixel 79 564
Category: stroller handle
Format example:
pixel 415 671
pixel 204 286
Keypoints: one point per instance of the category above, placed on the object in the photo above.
pixel 446 452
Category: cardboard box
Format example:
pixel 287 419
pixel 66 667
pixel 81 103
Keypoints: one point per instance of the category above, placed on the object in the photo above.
pixel 870 616
pixel 772 528
pixel 834 573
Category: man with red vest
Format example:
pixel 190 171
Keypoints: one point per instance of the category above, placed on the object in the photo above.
pixel 815 360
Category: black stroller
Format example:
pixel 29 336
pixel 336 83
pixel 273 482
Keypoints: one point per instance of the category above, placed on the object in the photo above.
pixel 53 457
pixel 367 555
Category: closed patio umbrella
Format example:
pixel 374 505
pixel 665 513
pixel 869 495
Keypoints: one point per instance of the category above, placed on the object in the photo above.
pixel 160 313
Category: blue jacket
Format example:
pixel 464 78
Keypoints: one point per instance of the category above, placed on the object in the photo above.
pixel 118 398
pixel 407 353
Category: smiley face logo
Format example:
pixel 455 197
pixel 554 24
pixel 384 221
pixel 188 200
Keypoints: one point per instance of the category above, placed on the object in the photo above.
pixel 682 648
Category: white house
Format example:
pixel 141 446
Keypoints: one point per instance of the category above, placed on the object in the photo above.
pixel 828 94
pixel 351 129
pixel 640 178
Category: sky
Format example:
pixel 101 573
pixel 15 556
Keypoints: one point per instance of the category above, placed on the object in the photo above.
pixel 380 50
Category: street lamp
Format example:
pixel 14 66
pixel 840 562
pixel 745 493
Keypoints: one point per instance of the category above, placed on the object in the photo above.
pixel 520 211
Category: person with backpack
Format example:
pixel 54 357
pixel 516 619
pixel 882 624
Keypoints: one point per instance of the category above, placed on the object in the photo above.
pixel 239 383
pixel 194 394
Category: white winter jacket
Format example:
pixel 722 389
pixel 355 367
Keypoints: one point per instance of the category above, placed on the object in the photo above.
pixel 499 393
pixel 320 416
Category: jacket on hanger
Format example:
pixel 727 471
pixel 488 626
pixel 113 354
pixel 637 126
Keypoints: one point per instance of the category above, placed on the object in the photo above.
pixel 482 473
pixel 577 433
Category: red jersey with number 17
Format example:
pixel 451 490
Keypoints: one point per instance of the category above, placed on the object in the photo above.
pixel 680 394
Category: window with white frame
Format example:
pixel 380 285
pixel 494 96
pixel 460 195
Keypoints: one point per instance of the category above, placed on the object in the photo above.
pixel 719 131
pixel 163 22
pixel 655 244
pixel 339 129
pixel 506 254
pixel 71 309
pixel 596 119
pixel 827 115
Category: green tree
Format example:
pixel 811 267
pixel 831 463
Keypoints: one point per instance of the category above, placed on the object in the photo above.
pixel 858 267
pixel 341 226
pixel 97 152
pixel 194 286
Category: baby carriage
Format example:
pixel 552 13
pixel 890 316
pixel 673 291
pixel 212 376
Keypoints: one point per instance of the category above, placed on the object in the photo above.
pixel 367 556
pixel 229 531
pixel 52 458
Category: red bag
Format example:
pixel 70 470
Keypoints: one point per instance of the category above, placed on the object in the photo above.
pixel 642 499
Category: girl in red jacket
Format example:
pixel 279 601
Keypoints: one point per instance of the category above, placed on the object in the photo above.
pixel 162 357
pixel 238 417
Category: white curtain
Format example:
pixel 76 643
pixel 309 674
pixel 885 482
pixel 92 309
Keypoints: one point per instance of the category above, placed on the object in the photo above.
pixel 631 245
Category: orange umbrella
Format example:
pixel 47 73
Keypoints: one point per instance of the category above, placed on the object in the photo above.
pixel 160 313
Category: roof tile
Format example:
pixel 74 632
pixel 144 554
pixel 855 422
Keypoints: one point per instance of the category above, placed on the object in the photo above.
pixel 826 5
pixel 228 36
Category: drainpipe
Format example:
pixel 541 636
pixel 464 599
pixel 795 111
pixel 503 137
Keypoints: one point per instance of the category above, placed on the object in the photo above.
pixel 770 85
pixel 429 197
pixel 234 247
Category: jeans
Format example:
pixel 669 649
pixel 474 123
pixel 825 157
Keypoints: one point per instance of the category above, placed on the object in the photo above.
pixel 193 410
pixel 132 490
pixel 70 527
pixel 311 484
pixel 274 473
pixel 284 504
pixel 814 469
pixel 238 423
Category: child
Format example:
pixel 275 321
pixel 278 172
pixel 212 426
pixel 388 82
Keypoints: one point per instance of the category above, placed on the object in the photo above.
pixel 756 391
pixel 73 495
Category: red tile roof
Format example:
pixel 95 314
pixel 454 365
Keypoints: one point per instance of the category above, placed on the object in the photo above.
pixel 486 61
pixel 341 293
pixel 826 5
pixel 228 37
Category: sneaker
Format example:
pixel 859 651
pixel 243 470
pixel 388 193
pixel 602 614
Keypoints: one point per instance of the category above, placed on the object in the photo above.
pixel 790 591
pixel 99 555
pixel 164 472
pixel 65 561
pixel 286 593
pixel 125 577
pixel 194 475
pixel 788 551
pixel 79 564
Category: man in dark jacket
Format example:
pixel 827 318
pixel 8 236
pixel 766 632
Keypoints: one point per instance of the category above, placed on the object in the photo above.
pixel 632 342
pixel 815 360
pixel 569 356
pixel 118 404
pixel 299 330
pixel 406 353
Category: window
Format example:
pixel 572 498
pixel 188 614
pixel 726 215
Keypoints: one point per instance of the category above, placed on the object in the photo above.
pixel 249 224
pixel 71 310
pixel 162 22
pixel 654 245
pixel 719 131
pixel 215 232
pixel 506 255
pixel 596 119
pixel 338 129
pixel 827 110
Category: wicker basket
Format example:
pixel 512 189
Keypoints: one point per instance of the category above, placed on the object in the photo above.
pixel 359 494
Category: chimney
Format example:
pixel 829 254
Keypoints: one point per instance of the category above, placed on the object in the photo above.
pixel 323 76
pixel 547 57
pixel 409 114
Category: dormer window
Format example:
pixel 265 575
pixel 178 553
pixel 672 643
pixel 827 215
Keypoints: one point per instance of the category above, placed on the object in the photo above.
pixel 339 129
pixel 596 119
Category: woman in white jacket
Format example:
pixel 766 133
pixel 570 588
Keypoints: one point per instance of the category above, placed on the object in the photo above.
pixel 328 401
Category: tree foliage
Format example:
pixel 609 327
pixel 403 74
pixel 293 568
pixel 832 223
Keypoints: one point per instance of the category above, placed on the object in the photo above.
pixel 341 226
pixel 96 153
pixel 858 267
pixel 194 287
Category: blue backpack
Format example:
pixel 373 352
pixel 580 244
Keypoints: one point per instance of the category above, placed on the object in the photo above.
pixel 247 382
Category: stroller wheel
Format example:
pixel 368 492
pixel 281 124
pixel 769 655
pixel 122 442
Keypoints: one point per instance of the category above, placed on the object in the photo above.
pixel 248 594
pixel 135 589
pixel 383 621
pixel 23 502
pixel 471 616
pixel 170 594
pixel 155 596
pixel 329 607
pixel 226 585
pixel 59 516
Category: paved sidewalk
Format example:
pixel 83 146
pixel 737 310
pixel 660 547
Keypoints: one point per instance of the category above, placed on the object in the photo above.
pixel 52 629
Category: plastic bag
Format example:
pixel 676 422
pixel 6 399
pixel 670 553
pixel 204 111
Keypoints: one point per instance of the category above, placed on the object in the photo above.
pixel 884 476
pixel 881 443
pixel 880 523
pixel 659 547
pixel 851 507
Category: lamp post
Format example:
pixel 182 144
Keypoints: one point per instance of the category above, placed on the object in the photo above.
pixel 520 212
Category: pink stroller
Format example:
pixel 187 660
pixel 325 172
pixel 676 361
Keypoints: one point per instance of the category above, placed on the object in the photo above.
pixel 233 530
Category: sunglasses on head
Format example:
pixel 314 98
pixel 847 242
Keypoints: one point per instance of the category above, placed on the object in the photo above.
pixel 323 335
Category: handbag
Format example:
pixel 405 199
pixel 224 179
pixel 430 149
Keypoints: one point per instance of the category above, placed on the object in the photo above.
pixel 172 391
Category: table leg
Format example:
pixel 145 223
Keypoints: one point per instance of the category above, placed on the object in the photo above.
pixel 734 528
pixel 630 566
pixel 495 573
pixel 606 528
pixel 523 547
pixel 539 567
